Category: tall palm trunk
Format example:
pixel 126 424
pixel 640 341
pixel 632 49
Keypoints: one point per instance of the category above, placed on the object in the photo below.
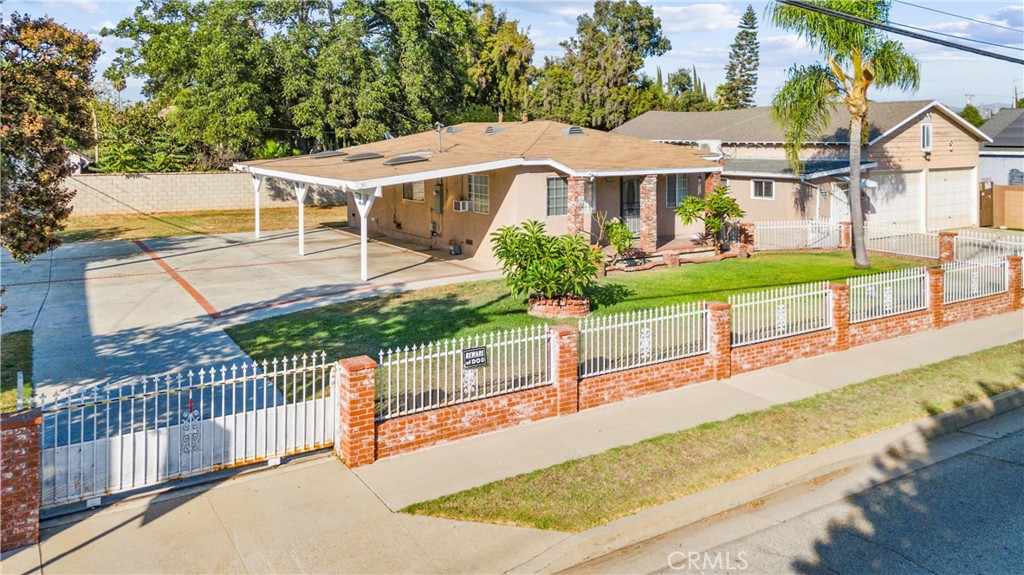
pixel 860 251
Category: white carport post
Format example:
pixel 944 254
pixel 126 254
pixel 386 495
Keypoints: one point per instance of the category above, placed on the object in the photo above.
pixel 364 202
pixel 300 195
pixel 256 198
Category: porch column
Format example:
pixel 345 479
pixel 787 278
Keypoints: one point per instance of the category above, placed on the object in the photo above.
pixel 364 202
pixel 575 204
pixel 711 180
pixel 256 200
pixel 300 196
pixel 649 214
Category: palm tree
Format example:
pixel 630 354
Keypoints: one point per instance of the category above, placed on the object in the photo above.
pixel 857 57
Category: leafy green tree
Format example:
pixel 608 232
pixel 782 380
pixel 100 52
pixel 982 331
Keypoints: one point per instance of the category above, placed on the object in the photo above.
pixel 535 263
pixel 47 73
pixel 857 58
pixel 741 71
pixel 272 149
pixel 972 115
pixel 715 210
pixel 499 61
pixel 619 236
pixel 685 93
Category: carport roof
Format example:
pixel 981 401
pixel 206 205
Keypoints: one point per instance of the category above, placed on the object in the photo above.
pixel 476 146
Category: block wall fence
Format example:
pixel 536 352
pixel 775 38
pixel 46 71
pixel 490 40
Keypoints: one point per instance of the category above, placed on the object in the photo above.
pixel 101 194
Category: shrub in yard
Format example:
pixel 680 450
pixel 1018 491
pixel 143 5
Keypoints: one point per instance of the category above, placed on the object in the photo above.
pixel 715 209
pixel 551 267
pixel 620 237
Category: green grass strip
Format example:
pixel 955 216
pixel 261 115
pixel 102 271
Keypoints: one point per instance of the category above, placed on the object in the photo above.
pixel 15 356
pixel 584 493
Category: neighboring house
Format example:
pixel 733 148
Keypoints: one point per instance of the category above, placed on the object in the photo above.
pixel 460 184
pixel 1002 159
pixel 919 165
pixel 78 162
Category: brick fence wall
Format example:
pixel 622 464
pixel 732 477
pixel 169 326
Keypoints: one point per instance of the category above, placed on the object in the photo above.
pixel 97 194
pixel 19 478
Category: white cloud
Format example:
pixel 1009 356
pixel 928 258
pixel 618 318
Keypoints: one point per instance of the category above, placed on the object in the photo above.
pixel 84 5
pixel 697 17
pixel 1010 16
pixel 100 26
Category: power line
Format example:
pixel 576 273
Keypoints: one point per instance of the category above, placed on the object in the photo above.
pixel 900 31
pixel 959 16
pixel 1007 46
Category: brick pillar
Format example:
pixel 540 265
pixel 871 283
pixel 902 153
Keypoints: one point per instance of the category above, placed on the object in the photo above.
pixel 356 440
pixel 936 283
pixel 19 478
pixel 649 214
pixel 565 359
pixel 1016 293
pixel 946 250
pixel 840 315
pixel 720 338
pixel 574 205
pixel 845 235
pixel 711 180
pixel 747 231
pixel 671 259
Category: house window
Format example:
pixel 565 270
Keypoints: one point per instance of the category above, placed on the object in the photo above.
pixel 412 191
pixel 926 137
pixel 764 189
pixel 558 195
pixel 725 182
pixel 675 190
pixel 480 193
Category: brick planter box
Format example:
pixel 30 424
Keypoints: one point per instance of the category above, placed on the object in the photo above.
pixel 559 307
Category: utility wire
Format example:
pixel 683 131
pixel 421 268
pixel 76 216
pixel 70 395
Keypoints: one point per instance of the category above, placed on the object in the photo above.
pixel 900 31
pixel 1007 46
pixel 959 16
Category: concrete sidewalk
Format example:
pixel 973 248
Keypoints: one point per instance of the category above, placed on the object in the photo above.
pixel 319 516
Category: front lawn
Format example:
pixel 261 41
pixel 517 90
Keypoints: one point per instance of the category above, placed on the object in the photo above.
pixel 584 493
pixel 15 356
pixel 365 326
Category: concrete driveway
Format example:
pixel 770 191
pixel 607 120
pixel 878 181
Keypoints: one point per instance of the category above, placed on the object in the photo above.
pixel 111 312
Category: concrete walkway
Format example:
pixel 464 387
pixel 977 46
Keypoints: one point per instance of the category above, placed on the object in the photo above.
pixel 322 517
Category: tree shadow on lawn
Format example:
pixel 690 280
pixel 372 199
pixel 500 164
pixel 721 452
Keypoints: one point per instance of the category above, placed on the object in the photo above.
pixel 607 294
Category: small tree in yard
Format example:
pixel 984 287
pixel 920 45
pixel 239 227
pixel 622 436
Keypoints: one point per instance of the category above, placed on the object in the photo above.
pixel 619 236
pixel 551 267
pixel 715 210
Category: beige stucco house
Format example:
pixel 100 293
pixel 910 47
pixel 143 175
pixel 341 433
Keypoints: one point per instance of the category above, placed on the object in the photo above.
pixel 458 184
pixel 919 165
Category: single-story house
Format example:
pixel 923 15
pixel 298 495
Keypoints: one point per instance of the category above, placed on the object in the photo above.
pixel 919 165
pixel 456 185
pixel 1002 159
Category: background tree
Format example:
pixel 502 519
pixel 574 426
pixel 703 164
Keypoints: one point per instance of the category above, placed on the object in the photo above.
pixel 686 92
pixel 499 65
pixel 47 74
pixel 972 115
pixel 741 71
pixel 857 57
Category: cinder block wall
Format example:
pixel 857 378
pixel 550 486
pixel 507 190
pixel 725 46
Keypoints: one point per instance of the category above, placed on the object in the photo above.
pixel 97 194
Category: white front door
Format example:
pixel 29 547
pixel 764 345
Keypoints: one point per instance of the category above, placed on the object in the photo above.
pixel 951 197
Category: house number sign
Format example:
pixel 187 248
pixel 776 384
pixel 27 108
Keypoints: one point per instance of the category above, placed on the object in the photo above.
pixel 474 357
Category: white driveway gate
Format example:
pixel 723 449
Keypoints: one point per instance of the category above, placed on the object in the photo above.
pixel 114 440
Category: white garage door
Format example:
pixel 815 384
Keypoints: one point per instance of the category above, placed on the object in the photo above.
pixel 950 199
pixel 896 199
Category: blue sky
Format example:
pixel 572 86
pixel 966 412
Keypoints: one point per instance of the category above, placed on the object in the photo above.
pixel 701 33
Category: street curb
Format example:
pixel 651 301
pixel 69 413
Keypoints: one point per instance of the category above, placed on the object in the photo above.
pixel 899 442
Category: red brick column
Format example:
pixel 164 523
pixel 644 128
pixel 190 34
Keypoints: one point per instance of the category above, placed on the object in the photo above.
pixel 565 359
pixel 356 440
pixel 19 478
pixel 720 338
pixel 840 315
pixel 845 235
pixel 747 231
pixel 574 204
pixel 936 284
pixel 711 180
pixel 648 214
pixel 1014 263
pixel 946 249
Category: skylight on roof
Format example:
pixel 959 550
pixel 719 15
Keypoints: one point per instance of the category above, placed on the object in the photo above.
pixel 406 159
pixel 329 154
pixel 363 156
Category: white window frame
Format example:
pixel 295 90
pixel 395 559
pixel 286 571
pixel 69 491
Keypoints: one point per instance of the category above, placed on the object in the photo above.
pixel 589 198
pixel 725 182
pixel 672 191
pixel 479 200
pixel 753 190
pixel 415 191
pixel 564 208
pixel 926 137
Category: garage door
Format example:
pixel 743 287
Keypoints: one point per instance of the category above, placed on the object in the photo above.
pixel 896 199
pixel 951 200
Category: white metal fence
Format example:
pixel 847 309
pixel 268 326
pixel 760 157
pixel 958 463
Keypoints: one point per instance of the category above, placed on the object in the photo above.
pixel 437 374
pixel 796 235
pixel 970 245
pixel 782 312
pixel 975 278
pixel 887 294
pixel 633 339
pixel 113 440
pixel 901 240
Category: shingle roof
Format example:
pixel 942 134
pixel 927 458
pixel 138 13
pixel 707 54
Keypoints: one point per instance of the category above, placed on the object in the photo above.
pixel 756 124
pixel 469 144
pixel 1006 128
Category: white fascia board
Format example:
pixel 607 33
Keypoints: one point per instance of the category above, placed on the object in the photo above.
pixel 648 171
pixel 934 104
pixel 1000 153
pixel 293 177
pixel 822 174
pixel 771 175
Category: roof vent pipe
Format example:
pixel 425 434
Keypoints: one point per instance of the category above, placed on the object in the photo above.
pixel 439 126
pixel 501 117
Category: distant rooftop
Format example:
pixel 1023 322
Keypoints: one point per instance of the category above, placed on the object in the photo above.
pixel 1006 128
